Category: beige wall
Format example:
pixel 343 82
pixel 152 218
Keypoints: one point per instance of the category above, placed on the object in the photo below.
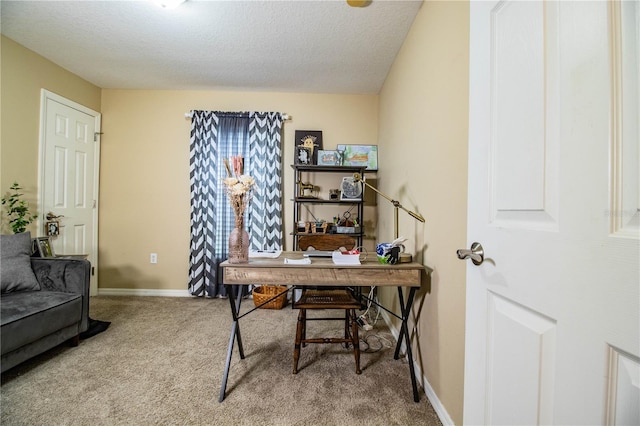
pixel 423 140
pixel 23 74
pixel 144 182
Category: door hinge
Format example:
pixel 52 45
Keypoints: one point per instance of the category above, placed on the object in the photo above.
pixel 93 271
pixel 95 136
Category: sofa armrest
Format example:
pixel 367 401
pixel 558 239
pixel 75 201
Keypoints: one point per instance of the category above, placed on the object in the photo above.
pixel 65 275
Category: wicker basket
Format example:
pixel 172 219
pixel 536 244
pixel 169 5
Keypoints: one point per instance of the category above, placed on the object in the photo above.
pixel 265 292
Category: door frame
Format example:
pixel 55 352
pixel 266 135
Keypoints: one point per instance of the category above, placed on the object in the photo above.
pixel 46 95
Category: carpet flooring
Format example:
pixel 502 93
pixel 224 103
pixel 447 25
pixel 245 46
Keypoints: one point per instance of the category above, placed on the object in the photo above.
pixel 160 362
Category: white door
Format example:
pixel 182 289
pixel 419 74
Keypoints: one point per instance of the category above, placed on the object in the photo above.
pixel 552 319
pixel 69 161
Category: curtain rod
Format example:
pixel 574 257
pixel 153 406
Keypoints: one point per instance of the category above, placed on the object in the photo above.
pixel 284 116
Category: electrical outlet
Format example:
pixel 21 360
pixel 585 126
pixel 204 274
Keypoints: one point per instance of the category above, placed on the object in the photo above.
pixel 153 258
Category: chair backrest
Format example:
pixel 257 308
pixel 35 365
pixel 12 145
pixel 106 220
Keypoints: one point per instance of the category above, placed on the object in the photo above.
pixel 326 242
pixel 327 297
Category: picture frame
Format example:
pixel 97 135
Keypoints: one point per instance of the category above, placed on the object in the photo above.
pixel 53 228
pixel 311 139
pixel 360 156
pixel 35 251
pixel 45 249
pixel 303 155
pixel 328 158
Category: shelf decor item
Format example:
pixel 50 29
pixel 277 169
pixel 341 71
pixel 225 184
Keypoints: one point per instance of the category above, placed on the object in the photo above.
pixel 303 155
pixel 328 158
pixel 238 187
pixel 360 155
pixel 350 190
pixel 310 139
pixel 318 227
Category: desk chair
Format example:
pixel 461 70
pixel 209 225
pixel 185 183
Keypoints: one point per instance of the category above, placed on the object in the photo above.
pixel 327 298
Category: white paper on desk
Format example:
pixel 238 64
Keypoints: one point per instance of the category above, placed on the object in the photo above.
pixel 305 261
pixel 272 254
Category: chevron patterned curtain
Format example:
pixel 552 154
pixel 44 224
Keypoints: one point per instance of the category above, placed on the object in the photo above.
pixel 214 137
pixel 265 210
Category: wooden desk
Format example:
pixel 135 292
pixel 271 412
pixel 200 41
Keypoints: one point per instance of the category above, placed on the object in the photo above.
pixel 321 272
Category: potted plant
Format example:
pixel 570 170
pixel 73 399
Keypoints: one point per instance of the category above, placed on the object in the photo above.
pixel 17 210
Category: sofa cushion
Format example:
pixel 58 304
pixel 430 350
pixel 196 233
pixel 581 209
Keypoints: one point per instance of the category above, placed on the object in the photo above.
pixel 15 263
pixel 30 315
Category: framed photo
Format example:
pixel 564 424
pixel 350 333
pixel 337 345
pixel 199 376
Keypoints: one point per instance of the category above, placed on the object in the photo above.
pixel 360 156
pixel 328 158
pixel 53 228
pixel 311 139
pixel 44 247
pixel 303 155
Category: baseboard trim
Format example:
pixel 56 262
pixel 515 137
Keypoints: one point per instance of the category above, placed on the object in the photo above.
pixel 428 390
pixel 142 292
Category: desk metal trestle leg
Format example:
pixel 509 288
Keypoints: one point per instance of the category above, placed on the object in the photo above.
pixel 234 300
pixel 404 336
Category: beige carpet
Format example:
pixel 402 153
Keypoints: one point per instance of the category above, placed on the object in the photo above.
pixel 161 362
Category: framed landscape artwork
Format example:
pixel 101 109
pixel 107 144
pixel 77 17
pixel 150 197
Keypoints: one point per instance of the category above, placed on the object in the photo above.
pixel 360 156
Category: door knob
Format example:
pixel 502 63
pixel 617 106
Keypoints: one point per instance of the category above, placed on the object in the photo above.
pixel 52 216
pixel 476 253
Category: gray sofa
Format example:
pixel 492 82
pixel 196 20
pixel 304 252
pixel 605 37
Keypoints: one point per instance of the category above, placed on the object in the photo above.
pixel 44 301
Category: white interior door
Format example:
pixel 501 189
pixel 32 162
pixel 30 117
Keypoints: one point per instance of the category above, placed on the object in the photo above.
pixel 552 320
pixel 69 176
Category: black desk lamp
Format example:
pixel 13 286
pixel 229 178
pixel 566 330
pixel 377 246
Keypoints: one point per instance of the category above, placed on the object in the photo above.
pixel 405 257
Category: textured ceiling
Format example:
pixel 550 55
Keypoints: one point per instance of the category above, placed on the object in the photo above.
pixel 295 46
